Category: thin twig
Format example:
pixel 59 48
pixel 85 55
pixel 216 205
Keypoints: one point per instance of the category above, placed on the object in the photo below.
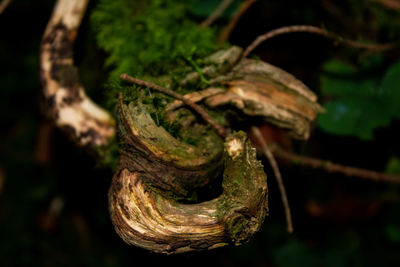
pixel 234 21
pixel 268 154
pixel 389 4
pixel 338 14
pixel 335 168
pixel 3 5
pixel 314 30
pixel 199 110
pixel 216 13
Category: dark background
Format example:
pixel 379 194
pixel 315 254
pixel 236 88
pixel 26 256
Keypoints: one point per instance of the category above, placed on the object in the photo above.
pixel 53 197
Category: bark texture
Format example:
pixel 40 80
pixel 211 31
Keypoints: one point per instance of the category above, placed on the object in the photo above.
pixel 149 220
pixel 154 167
pixel 257 89
pixel 64 98
pixel 164 162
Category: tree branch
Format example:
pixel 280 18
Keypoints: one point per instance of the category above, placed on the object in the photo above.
pixel 64 99
pixel 314 30
pixel 3 5
pixel 232 24
pixel 389 4
pixel 204 115
pixel 270 157
pixel 335 168
pixel 216 13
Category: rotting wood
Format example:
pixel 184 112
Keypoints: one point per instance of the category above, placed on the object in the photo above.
pixel 149 220
pixel 257 89
pixel 165 163
pixel 154 167
pixel 64 98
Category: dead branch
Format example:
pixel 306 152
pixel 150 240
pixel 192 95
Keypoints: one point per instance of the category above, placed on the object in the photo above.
pixel 335 168
pixel 271 159
pixel 389 4
pixel 3 5
pixel 64 99
pixel 234 21
pixel 314 30
pixel 204 115
pixel 216 13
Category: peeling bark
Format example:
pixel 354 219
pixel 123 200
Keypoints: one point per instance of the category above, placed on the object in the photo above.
pixel 165 163
pixel 149 220
pixel 257 89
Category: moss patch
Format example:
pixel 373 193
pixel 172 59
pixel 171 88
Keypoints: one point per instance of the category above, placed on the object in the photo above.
pixel 149 38
pixel 155 40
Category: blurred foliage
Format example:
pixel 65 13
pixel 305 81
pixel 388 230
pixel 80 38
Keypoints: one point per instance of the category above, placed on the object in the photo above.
pixel 359 222
pixel 383 21
pixel 362 102
pixel 393 165
pixel 204 8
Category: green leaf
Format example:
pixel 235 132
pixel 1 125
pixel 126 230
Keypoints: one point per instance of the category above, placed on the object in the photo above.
pixel 354 116
pixel 346 86
pixel 361 104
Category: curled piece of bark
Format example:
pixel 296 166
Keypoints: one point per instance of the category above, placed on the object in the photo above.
pixel 257 89
pixel 144 218
pixel 263 90
pixel 273 103
pixel 64 98
pixel 194 97
pixel 165 163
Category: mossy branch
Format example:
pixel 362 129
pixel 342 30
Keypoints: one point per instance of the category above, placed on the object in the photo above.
pixel 146 219
pixel 204 115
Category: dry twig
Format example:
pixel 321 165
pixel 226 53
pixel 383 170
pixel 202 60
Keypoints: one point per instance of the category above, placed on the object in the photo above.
pixel 271 159
pixel 232 24
pixel 3 5
pixel 207 118
pixel 314 30
pixel 216 13
pixel 390 4
pixel 335 168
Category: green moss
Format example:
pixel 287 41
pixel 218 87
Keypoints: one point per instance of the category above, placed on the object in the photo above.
pixel 149 38
pixel 155 40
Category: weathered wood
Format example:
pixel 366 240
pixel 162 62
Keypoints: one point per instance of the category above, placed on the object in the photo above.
pixel 64 98
pixel 154 167
pixel 165 163
pixel 257 89
pixel 149 220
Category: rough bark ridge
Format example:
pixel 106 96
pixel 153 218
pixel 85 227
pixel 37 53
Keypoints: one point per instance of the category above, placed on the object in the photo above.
pixel 165 163
pixel 148 220
pixel 257 89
